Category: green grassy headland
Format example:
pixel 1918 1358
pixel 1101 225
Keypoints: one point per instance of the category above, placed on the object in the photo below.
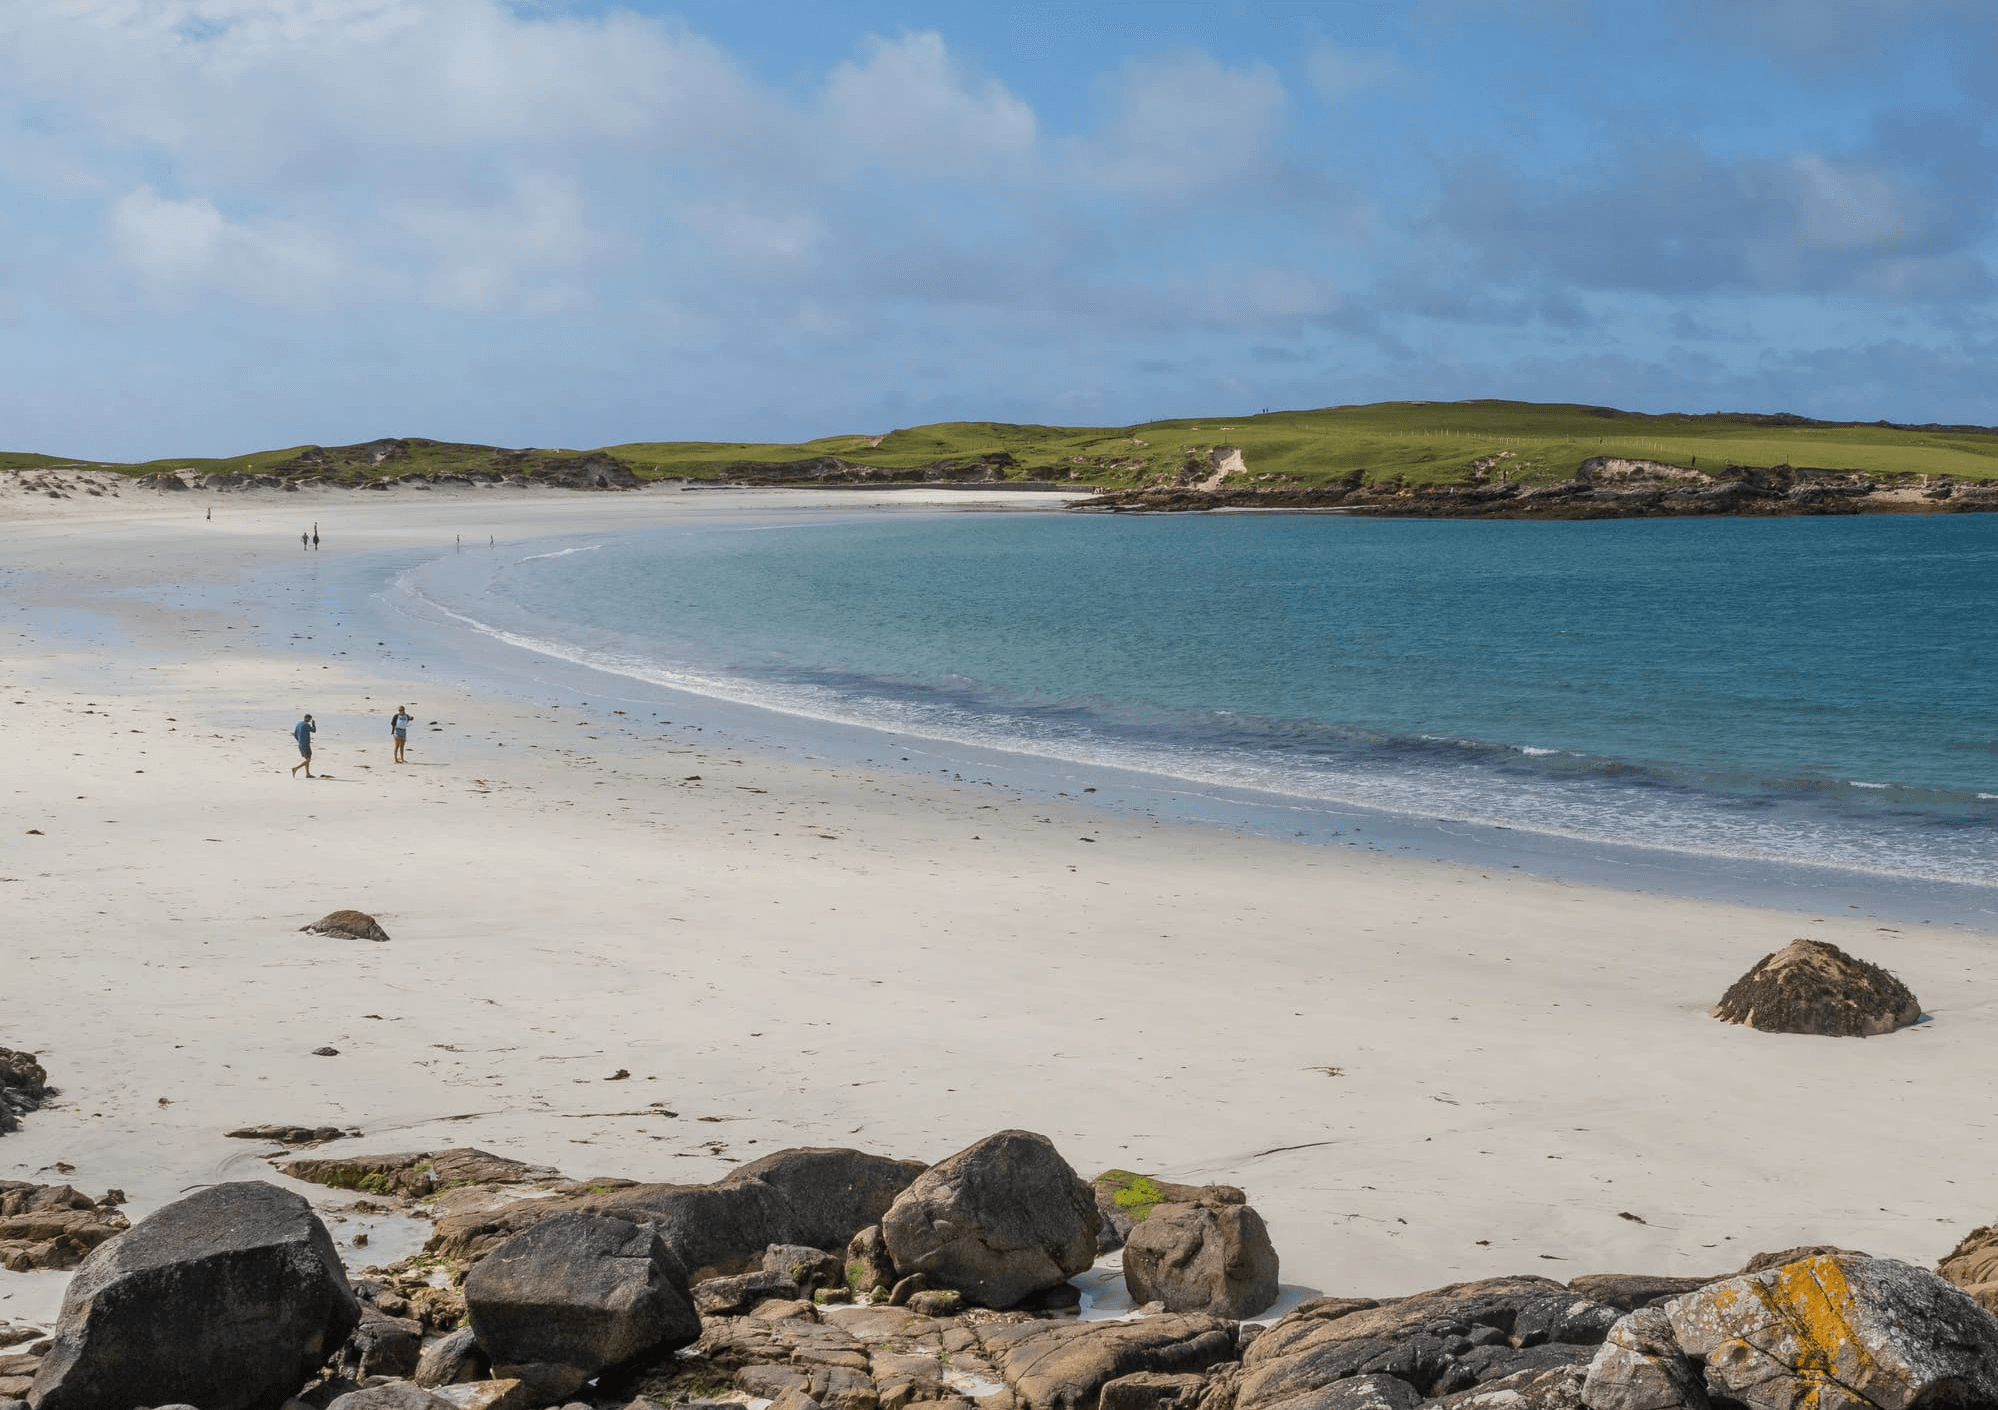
pixel 1388 443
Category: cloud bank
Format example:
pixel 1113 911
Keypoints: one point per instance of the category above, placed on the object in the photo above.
pixel 291 219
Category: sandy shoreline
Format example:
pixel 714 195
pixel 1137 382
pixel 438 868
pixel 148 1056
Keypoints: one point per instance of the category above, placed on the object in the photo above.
pixel 829 955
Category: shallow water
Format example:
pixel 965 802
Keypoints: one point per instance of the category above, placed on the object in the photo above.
pixel 1808 691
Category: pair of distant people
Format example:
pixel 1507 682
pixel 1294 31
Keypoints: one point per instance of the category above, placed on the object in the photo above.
pixel 303 731
pixel 309 541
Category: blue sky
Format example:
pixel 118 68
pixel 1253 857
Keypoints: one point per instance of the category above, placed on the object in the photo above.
pixel 230 224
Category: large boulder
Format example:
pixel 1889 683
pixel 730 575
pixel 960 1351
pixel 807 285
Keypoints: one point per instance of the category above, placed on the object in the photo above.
pixel 999 1221
pixel 1214 1257
pixel 229 1299
pixel 1812 986
pixel 1838 1330
pixel 575 1295
pixel 816 1197
pixel 1834 1330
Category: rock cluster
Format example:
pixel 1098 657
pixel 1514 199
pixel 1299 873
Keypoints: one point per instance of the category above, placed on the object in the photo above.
pixel 24 1086
pixel 1812 986
pixel 52 1227
pixel 233 1299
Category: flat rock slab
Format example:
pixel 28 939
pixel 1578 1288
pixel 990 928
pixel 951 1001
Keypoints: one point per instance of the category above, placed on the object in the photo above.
pixel 1065 1365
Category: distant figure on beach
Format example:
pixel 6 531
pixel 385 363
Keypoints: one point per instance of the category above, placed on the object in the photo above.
pixel 303 732
pixel 399 727
pixel 461 542
pixel 304 541
pixel 315 535
pixel 211 512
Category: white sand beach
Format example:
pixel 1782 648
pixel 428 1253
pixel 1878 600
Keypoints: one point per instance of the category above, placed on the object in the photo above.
pixel 1420 1072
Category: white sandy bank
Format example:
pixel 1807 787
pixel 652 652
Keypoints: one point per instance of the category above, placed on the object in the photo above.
pixel 827 956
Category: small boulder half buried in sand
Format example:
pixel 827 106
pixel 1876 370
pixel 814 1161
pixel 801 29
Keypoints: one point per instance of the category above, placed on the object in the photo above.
pixel 1810 986
pixel 355 925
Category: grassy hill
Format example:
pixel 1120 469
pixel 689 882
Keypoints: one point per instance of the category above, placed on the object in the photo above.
pixel 1407 443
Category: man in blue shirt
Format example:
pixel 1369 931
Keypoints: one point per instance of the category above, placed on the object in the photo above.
pixel 303 732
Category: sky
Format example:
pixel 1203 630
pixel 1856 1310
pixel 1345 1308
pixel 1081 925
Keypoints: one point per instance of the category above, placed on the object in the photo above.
pixel 227 225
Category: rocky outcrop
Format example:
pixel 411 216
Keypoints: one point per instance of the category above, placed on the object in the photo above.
pixel 1439 1342
pixel 352 925
pixel 815 1197
pixel 1065 1365
pixel 1214 1256
pixel 574 1296
pixel 1602 488
pixel 1835 1330
pixel 999 1221
pixel 229 1299
pixel 24 1086
pixel 1973 1266
pixel 52 1228
pixel 1812 986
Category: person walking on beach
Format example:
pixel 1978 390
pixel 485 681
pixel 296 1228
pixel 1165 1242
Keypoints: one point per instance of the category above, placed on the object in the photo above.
pixel 304 541
pixel 315 536
pixel 303 732
pixel 399 727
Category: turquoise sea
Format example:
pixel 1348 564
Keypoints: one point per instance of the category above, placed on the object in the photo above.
pixel 1815 691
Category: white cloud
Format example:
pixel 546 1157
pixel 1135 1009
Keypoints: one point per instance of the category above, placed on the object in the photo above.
pixel 1186 124
pixel 911 103
pixel 766 240
pixel 489 157
pixel 179 248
